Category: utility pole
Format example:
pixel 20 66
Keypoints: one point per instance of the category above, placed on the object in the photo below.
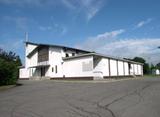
pixel 26 36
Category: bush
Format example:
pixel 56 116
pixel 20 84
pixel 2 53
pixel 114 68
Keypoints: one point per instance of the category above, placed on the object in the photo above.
pixel 8 68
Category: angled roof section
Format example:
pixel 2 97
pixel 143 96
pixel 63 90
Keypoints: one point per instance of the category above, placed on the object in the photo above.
pixel 50 45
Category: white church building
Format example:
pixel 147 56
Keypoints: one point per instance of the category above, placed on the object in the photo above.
pixel 45 61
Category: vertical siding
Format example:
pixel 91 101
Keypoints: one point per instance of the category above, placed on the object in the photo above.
pixel 113 67
pixel 126 68
pixel 103 66
pixel 136 69
pixel 120 68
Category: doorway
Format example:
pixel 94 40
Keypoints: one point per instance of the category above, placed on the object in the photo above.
pixel 43 71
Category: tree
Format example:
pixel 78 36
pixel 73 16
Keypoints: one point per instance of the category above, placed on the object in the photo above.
pixel 158 66
pixel 139 59
pixel 146 68
pixel 152 67
pixel 9 63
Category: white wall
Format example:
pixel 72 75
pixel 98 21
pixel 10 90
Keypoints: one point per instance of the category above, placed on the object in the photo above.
pixel 102 66
pixel 136 69
pixel 75 67
pixel 139 69
pixel 157 72
pixel 29 48
pixel 23 73
pixel 126 68
pixel 33 60
pixel 55 59
pixel 113 67
pixel 105 67
pixel 120 68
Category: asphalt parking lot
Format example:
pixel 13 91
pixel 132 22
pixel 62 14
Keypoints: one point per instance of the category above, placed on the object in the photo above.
pixel 128 98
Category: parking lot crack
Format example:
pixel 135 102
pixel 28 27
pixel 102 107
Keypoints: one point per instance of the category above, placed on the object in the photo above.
pixel 81 109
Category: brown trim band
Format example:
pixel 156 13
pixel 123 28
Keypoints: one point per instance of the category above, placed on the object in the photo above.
pixel 105 77
pixel 23 79
pixel 129 76
pixel 72 78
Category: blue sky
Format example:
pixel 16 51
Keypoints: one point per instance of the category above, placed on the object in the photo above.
pixel 123 28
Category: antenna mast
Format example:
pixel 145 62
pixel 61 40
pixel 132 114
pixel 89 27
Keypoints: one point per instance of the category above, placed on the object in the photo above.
pixel 26 36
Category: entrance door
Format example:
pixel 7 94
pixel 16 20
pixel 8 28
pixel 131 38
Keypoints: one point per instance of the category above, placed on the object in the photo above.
pixel 42 71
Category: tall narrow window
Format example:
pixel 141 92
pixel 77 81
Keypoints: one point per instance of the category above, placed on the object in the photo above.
pixel 56 69
pixel 52 69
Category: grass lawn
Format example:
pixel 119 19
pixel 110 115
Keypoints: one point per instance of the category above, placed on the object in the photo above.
pixel 6 87
pixel 151 76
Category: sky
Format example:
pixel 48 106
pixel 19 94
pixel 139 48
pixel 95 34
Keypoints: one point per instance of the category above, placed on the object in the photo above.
pixel 119 28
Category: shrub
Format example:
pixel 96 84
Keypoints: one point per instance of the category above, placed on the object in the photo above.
pixel 8 68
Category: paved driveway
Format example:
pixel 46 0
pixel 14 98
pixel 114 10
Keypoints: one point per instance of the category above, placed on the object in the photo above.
pixel 129 98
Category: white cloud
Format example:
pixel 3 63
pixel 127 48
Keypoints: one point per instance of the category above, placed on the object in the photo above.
pixel 28 2
pixel 110 44
pixel 142 23
pixel 20 22
pixel 100 40
pixel 45 28
pixel 57 28
pixel 69 4
pixel 89 7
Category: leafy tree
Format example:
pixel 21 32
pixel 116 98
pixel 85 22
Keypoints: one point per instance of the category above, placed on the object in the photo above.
pixel 9 63
pixel 158 66
pixel 146 68
pixel 152 67
pixel 139 59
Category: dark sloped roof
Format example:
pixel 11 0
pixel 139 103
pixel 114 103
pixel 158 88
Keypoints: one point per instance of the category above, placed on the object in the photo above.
pixel 88 53
pixel 60 46
pixel 100 55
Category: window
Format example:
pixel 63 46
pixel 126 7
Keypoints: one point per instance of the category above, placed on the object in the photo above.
pixel 87 66
pixel 73 54
pixel 52 69
pixel 67 55
pixel 56 69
